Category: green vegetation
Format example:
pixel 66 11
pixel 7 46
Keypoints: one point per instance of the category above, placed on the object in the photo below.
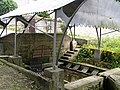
pixel 118 0
pixel 6 6
pixel 108 59
pixel 44 14
pixel 110 56
pixel 108 44
pixel 62 26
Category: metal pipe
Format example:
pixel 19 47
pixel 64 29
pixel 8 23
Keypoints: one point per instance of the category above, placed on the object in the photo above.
pixel 71 31
pixel 6 26
pixel 74 31
pixel 54 42
pixel 15 38
pixel 67 28
pixel 98 37
pixel 111 32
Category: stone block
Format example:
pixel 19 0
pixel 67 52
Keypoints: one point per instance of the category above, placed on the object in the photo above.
pixel 85 69
pixel 89 83
pixel 109 78
pixel 57 77
pixel 73 45
pixel 16 60
pixel 4 57
pixel 110 72
pixel 69 65
pixel 81 41
pixel 97 55
pixel 76 67
pixel 95 72
pixel 1 49
pixel 113 82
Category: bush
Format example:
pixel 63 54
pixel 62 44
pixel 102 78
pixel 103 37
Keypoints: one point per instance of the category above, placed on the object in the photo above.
pixel 108 59
pixel 84 53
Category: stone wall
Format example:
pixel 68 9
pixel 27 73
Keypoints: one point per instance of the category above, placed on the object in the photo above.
pixel 42 82
pixel 89 83
pixel 108 80
pixel 111 79
pixel 27 42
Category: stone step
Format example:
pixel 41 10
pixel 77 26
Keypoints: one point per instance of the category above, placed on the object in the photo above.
pixel 68 54
pixel 71 52
pixel 60 63
pixel 85 69
pixel 77 49
pixel 68 65
pixel 46 65
pixel 78 46
pixel 65 57
pixel 95 72
pixel 63 60
pixel 76 67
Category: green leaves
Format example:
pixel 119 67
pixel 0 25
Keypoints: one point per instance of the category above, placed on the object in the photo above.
pixel 44 14
pixel 6 6
pixel 108 59
pixel 118 0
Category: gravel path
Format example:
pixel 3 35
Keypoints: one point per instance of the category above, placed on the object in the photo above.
pixel 11 79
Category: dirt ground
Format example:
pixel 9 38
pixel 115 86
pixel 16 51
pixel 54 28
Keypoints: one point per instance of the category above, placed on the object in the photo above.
pixel 11 79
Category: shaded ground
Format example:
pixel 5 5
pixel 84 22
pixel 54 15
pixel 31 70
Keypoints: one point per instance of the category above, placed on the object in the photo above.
pixel 11 79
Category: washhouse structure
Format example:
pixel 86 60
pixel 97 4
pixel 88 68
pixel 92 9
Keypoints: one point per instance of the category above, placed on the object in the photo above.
pixel 95 13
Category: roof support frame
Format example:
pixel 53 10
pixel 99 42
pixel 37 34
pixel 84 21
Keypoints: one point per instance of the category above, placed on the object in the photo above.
pixel 111 32
pixel 2 23
pixel 71 32
pixel 67 28
pixel 21 18
pixel 15 38
pixel 35 27
pixel 98 36
pixel 74 31
pixel 5 25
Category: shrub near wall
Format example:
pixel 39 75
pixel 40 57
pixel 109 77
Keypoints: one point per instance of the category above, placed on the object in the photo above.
pixel 108 59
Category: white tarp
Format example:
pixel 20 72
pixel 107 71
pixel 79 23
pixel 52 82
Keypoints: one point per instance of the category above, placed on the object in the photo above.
pixel 102 13
pixel 38 6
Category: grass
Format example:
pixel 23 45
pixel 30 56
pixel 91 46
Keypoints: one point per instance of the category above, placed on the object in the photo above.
pixel 108 44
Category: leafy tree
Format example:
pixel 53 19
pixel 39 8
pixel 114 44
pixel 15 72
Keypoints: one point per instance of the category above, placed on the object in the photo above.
pixel 44 14
pixel 6 6
pixel 118 0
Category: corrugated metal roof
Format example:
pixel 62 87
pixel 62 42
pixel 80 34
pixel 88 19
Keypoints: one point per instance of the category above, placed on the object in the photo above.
pixel 38 6
pixel 101 13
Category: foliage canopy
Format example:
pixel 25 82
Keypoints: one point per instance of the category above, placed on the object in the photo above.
pixel 44 14
pixel 6 6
